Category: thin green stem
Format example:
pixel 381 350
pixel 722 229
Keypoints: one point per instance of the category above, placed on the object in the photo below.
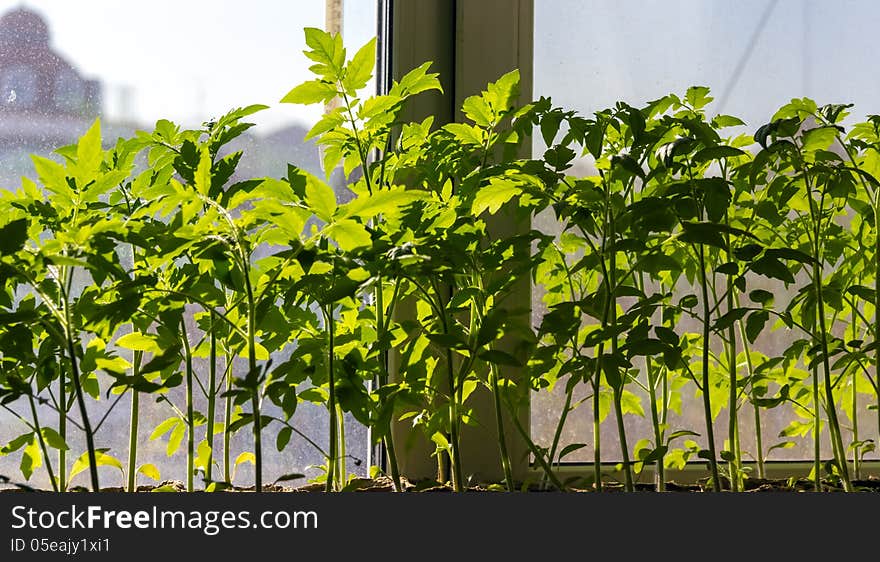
pixel 499 422
pixel 190 414
pixel 62 428
pixel 381 329
pixel 707 402
pixel 341 478
pixel 252 374
pixel 334 443
pixel 212 400
pixel 227 420
pixel 39 433
pixel 133 418
pixel 759 437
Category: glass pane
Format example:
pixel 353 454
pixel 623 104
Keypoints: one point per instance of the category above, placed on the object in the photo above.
pixel 62 64
pixel 754 56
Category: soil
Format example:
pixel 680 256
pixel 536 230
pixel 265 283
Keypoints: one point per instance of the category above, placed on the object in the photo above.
pixel 384 484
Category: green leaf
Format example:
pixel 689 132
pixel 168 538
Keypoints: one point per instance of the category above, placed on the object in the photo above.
pixel 647 346
pixel 769 266
pixel 755 324
pixel 164 428
pixel 150 471
pixel 137 341
pixel 288 477
pixel 52 175
pixel 688 301
pixel 789 254
pixel 631 404
pixel 863 292
pixel 89 153
pixel 747 252
pixel 570 448
pixel 698 96
pixel 359 70
pixel 203 172
pixel 783 445
pixel 54 439
pixel 718 152
pixel 13 236
pixel 502 93
pixel 493 196
pixel 440 440
pixel 169 357
pixel 722 121
pixel 176 438
pixel 716 198
pixel 283 438
pixel 703 233
pixel 776 401
pixel 203 453
pixel 320 198
pixel 101 459
pixel 656 454
pixel 500 358
pixel 349 234
pixel 415 81
pixel 819 138
pixel 729 268
pixel 308 93
pixel 761 296
pixel 385 202
pixel 465 134
pixel 32 459
pixel 477 109
pixel 326 50
pixel 16 443
pixel 726 320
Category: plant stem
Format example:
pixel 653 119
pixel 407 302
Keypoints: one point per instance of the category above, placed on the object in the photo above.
pixel 759 437
pixel 39 433
pixel 876 205
pixel 453 420
pixel 212 401
pixel 81 401
pixel 227 419
pixel 190 415
pixel 388 437
pixel 252 372
pixel 618 391
pixel 455 453
pixel 597 422
pixel 707 402
pixel 133 424
pixel 833 424
pixel 548 471
pixel 499 422
pixel 818 287
pixel 659 476
pixel 560 425
pixel 333 449
pixel 854 397
pixel 341 460
pixel 62 429
pixel 733 406
pixel 817 450
pixel 660 472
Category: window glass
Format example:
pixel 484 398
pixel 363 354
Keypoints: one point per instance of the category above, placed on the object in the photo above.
pixel 64 64
pixel 754 56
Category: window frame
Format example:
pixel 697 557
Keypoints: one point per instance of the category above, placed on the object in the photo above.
pixel 471 44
